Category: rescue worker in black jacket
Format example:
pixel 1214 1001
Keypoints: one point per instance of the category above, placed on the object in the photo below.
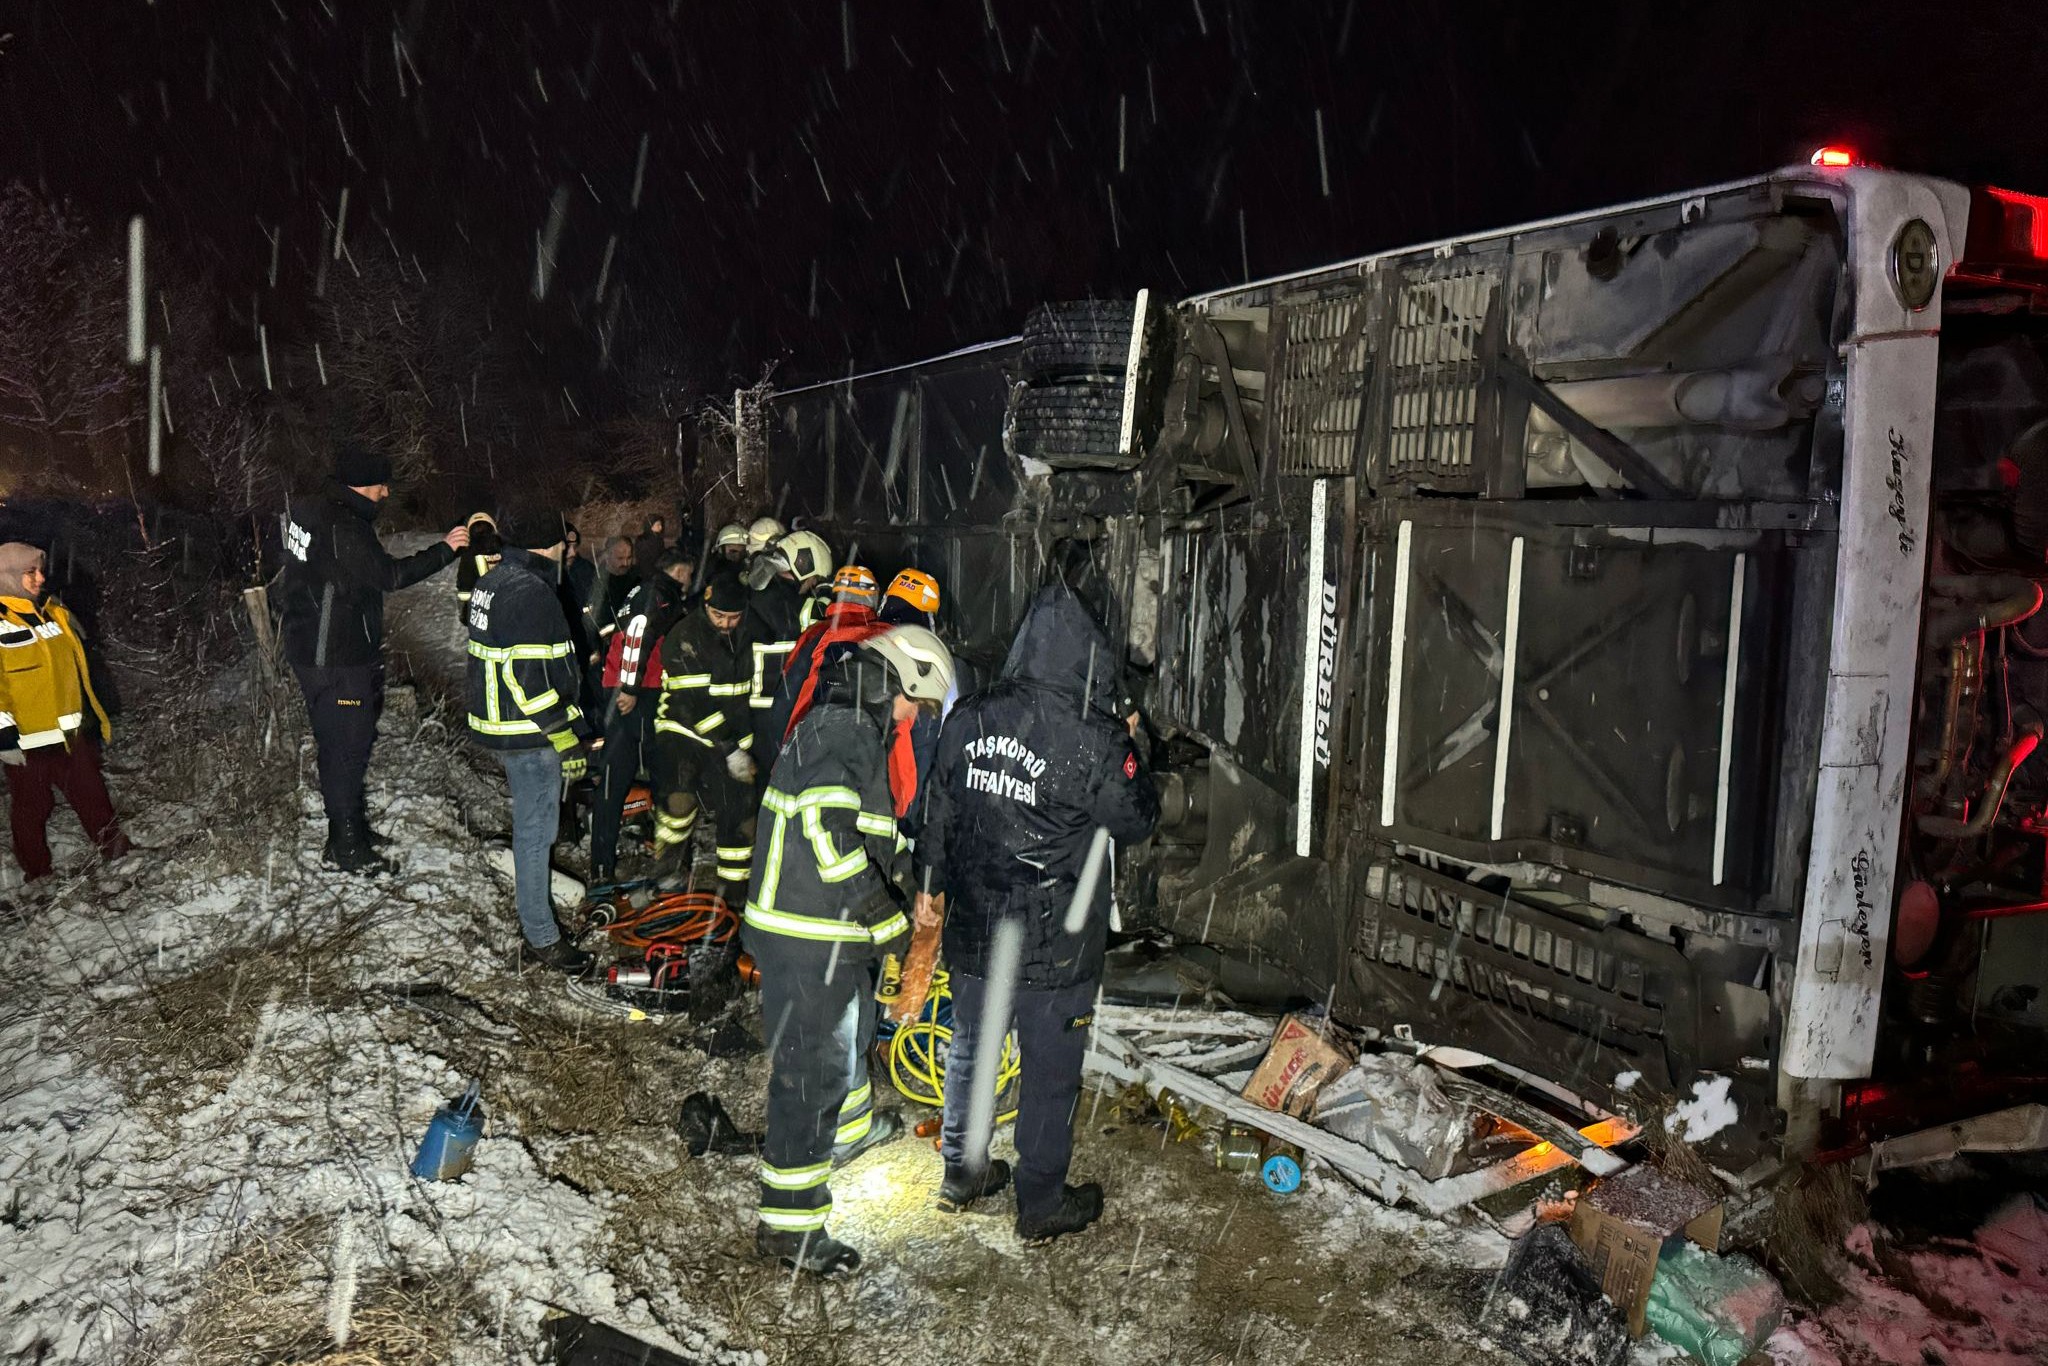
pixel 1033 779
pixel 336 574
pixel 523 681
pixel 831 887
pixel 703 741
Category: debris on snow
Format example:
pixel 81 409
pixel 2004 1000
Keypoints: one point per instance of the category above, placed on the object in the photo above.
pixel 1710 1110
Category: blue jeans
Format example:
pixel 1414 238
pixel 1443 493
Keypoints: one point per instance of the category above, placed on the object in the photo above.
pixel 535 777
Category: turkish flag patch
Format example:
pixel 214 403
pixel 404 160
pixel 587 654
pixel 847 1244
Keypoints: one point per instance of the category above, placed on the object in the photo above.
pixel 1130 765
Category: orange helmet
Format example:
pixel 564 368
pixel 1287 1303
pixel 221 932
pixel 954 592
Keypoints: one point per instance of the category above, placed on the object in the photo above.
pixel 855 583
pixel 916 588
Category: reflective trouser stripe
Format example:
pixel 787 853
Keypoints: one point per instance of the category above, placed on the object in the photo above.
pixel 795 1220
pixel 735 862
pixel 795 1178
pixel 670 830
pixel 856 1115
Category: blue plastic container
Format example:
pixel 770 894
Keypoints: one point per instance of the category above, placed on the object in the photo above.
pixel 1282 1174
pixel 451 1138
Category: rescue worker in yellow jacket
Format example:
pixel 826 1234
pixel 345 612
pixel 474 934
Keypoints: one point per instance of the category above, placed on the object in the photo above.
pixel 47 743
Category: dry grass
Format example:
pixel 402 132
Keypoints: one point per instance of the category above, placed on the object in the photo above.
pixel 1811 1213
pixel 267 1302
pixel 183 1038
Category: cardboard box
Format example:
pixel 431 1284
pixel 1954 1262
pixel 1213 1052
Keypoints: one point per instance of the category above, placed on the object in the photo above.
pixel 1621 1225
pixel 1297 1063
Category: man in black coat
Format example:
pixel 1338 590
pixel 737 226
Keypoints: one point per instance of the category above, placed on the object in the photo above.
pixel 1034 778
pixel 336 574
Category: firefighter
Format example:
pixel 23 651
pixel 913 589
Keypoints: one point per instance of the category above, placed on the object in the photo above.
pixel 1027 774
pixel 848 621
pixel 47 743
pixel 913 598
pixel 632 675
pixel 479 557
pixel 762 534
pixel 523 679
pixel 704 738
pixel 731 545
pixel 335 577
pixel 830 890
pixel 781 580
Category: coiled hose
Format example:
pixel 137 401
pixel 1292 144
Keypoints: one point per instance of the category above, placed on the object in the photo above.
pixel 917 1053
pixel 687 920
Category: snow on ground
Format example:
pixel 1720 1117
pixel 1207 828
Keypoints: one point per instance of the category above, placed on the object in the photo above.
pixel 220 1060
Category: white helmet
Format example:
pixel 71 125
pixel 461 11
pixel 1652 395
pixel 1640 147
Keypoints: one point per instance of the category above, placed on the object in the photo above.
pixel 763 533
pixel 806 554
pixel 732 534
pixel 921 661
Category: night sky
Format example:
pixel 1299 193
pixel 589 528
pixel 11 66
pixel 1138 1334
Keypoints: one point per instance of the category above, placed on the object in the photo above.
pixel 864 183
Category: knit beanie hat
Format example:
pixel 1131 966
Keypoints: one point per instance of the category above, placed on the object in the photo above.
pixel 726 593
pixel 357 468
pixel 16 559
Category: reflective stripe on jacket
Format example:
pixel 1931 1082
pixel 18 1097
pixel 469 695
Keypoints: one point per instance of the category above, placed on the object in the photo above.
pixel 828 850
pixel 44 683
pixel 523 673
pixel 706 676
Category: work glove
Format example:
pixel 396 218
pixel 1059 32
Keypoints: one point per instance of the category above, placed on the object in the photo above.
pixel 741 765
pixel 13 758
pixel 575 756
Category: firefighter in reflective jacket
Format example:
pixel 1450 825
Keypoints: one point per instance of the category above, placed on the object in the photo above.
pixel 831 884
pixel 703 740
pixel 782 581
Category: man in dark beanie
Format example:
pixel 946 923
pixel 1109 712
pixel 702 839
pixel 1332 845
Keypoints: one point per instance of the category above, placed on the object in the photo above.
pixel 523 681
pixel 336 574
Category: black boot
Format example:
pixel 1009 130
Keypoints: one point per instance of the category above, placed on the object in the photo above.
pixel 348 850
pixel 962 1188
pixel 817 1251
pixel 707 1128
pixel 884 1126
pixel 1079 1207
pixel 561 955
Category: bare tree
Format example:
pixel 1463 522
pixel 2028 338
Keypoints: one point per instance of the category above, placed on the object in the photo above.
pixel 62 375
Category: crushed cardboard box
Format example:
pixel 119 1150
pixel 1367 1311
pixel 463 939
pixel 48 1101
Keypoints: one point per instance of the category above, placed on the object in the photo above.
pixel 1621 1225
pixel 1297 1064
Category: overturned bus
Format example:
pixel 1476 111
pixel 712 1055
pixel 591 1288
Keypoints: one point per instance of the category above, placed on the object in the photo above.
pixel 1605 646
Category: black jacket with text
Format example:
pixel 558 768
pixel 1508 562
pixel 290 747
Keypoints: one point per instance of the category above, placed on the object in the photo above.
pixel 1025 775
pixel 336 574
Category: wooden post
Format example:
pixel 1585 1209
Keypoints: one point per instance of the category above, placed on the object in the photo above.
pixel 257 603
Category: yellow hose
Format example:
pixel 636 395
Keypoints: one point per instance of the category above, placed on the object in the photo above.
pixel 915 1065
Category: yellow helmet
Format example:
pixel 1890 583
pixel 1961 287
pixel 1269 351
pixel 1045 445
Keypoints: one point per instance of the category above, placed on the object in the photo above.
pixel 855 583
pixel 916 588
pixel 763 533
pixel 732 536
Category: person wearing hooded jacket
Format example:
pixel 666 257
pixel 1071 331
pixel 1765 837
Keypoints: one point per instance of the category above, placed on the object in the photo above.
pixel 830 888
pixel 522 688
pixel 1032 778
pixel 47 743
pixel 336 574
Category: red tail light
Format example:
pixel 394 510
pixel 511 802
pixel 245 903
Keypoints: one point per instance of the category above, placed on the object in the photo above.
pixel 2008 238
pixel 1834 157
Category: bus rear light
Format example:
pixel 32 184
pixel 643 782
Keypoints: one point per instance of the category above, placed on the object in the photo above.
pixel 1834 157
pixel 2007 242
